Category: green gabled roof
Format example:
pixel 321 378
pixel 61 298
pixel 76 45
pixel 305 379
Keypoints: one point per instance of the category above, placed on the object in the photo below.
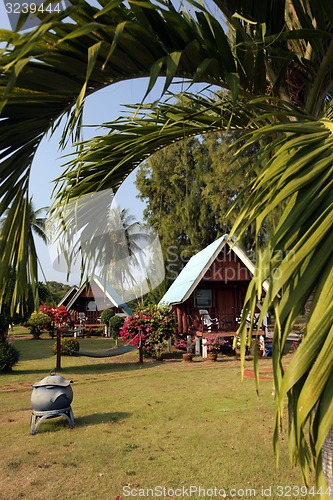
pixel 197 266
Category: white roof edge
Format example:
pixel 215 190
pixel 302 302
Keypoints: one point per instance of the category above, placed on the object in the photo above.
pixel 249 264
pixel 103 288
pixel 202 273
pixel 67 294
pixel 73 299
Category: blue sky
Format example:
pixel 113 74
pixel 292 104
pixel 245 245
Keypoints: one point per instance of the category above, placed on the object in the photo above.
pixel 105 105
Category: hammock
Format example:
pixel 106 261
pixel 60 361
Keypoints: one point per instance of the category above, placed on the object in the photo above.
pixel 117 351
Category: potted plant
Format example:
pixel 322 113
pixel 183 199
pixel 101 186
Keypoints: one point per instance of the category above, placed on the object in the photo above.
pixel 213 345
pixel 237 346
pixel 261 346
pixel 187 347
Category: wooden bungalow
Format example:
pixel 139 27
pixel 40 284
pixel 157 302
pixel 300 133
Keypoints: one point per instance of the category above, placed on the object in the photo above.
pixel 208 294
pixel 85 304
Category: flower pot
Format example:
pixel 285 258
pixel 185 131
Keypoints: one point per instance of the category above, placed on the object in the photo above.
pixel 212 356
pixel 187 356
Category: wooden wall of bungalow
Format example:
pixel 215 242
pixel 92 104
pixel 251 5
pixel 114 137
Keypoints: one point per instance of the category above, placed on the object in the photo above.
pixel 221 292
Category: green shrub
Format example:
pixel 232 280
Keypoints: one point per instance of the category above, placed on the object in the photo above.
pixel 106 315
pixel 115 324
pixel 4 323
pixel 68 347
pixel 38 322
pixel 9 356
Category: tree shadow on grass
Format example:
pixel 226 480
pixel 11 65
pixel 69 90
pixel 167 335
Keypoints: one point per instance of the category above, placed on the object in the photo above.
pixel 58 423
pixel 101 418
pixel 88 369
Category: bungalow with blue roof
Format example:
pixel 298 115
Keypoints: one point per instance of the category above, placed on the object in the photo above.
pixel 208 294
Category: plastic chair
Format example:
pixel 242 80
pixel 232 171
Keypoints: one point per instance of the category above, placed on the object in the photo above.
pixel 207 320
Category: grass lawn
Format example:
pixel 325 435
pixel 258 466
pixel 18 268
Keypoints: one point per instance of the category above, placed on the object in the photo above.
pixel 168 424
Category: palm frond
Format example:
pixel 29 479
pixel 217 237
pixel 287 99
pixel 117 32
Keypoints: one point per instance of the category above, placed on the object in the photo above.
pixel 297 262
pixel 104 162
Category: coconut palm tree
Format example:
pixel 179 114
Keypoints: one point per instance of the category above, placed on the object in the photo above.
pixel 106 240
pixel 273 61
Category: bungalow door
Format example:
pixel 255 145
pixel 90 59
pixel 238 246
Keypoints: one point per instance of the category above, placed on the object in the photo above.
pixel 229 304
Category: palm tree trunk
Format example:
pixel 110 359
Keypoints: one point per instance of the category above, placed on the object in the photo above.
pixel 327 460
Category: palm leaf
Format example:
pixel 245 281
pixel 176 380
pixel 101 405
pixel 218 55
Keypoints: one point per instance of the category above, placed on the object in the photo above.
pixel 298 261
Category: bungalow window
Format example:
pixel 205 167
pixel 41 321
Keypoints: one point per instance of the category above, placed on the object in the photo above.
pixel 91 306
pixel 203 298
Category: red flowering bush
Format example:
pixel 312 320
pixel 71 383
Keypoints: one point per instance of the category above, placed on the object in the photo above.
pixel 58 315
pixel 156 324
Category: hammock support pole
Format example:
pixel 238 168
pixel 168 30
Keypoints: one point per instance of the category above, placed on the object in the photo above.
pixel 140 348
pixel 58 364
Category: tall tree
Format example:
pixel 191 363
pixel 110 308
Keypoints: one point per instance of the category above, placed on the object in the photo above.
pixel 189 188
pixel 56 291
pixel 274 60
pixel 171 182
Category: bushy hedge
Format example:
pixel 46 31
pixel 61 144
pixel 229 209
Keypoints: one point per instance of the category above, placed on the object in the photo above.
pixel 9 356
pixel 115 325
pixel 68 347
pixel 38 322
pixel 106 315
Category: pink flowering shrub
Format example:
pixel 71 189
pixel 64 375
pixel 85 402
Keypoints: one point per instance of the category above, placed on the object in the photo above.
pixel 185 345
pixel 181 344
pixel 156 324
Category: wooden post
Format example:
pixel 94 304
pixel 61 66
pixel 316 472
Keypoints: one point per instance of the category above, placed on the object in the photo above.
pixel 140 348
pixel 58 366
